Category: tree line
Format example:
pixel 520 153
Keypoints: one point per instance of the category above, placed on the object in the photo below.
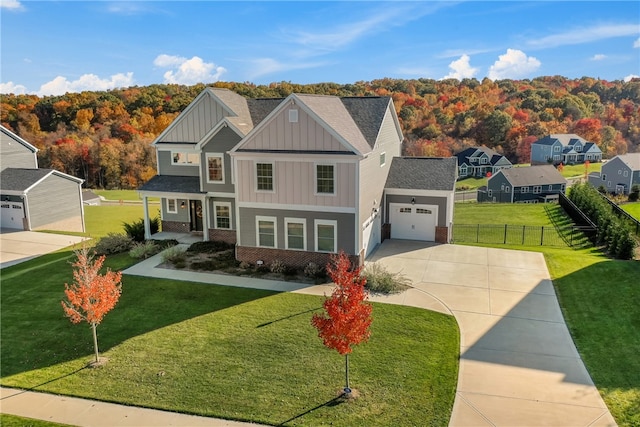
pixel 104 137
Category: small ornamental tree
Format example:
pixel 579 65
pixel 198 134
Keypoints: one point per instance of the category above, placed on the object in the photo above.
pixel 92 295
pixel 347 316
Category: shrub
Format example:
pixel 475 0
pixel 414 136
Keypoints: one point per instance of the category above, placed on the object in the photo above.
pixel 277 267
pixel 634 194
pixel 380 280
pixel 135 230
pixel 245 265
pixel 143 250
pixel 175 255
pixel 164 244
pixel 313 270
pixel 113 243
pixel 209 247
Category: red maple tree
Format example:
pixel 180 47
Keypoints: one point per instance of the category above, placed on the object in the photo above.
pixel 92 295
pixel 347 316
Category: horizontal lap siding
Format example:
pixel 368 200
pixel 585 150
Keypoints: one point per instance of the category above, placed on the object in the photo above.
pixel 15 155
pixel 346 224
pixel 165 167
pixel 294 184
pixel 54 200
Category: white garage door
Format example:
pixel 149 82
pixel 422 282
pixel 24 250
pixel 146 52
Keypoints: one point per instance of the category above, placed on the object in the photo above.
pixel 12 214
pixel 413 222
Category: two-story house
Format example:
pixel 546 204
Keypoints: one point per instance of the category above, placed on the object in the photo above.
pixel 292 179
pixel 532 184
pixel 478 161
pixel 619 174
pixel 564 148
pixel 33 198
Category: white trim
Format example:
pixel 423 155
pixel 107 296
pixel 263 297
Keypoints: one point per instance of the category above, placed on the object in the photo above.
pixel 175 206
pixel 215 215
pixel 293 115
pixel 273 220
pixel 315 178
pixel 334 223
pixel 53 172
pixel 188 153
pixel 302 221
pixel 217 156
pixel 273 177
pixel 406 192
pixel 170 195
pixel 383 158
pixel 229 195
pixel 290 207
pixel 295 157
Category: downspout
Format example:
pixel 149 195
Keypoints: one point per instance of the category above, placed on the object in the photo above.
pixel 81 208
pixel 147 225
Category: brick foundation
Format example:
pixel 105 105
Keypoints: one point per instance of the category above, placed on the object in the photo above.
pixel 176 227
pixel 227 236
pixel 442 235
pixel 293 258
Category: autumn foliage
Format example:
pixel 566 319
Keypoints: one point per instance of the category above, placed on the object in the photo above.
pixel 348 315
pixel 92 295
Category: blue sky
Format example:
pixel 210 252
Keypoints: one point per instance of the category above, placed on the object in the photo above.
pixel 53 47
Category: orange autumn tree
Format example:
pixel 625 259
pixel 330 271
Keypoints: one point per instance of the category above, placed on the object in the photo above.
pixel 347 316
pixel 92 295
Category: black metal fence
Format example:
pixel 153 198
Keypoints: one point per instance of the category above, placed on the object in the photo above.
pixel 525 235
pixel 634 224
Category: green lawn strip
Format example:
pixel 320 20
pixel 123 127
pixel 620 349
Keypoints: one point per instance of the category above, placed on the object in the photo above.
pixel 105 219
pixel 227 352
pixel 124 195
pixel 502 213
pixel 7 420
pixel 632 209
pixel 470 184
pixel 578 170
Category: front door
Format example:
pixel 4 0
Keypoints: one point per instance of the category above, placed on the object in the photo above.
pixel 195 210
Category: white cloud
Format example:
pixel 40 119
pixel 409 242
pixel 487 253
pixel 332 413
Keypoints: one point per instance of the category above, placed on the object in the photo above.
pixel 263 66
pixel 513 64
pixel 11 5
pixel 585 35
pixel 636 43
pixel 60 85
pixel 461 69
pixel 11 87
pixel 188 71
pixel 598 57
pixel 631 76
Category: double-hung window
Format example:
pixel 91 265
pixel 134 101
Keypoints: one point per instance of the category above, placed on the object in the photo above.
pixel 215 168
pixel 295 233
pixel 326 235
pixel 264 176
pixel 524 190
pixel 222 215
pixel 172 206
pixel 537 189
pixel 325 179
pixel 266 232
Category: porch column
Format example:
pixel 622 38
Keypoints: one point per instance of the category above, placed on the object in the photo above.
pixel 205 219
pixel 147 225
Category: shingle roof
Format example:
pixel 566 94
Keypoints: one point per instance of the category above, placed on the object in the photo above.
pixel 533 175
pixel 423 173
pixel 238 105
pixel 19 179
pixel 632 160
pixel 259 108
pixel 463 156
pixel 173 184
pixel 368 113
pixel 564 139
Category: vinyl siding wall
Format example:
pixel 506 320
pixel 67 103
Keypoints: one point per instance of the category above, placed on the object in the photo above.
pixel 55 200
pixel 222 142
pixel 15 155
pixel 165 167
pixel 193 126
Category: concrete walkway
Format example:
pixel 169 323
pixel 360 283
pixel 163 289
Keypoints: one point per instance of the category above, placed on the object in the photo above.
pixel 17 246
pixel 518 363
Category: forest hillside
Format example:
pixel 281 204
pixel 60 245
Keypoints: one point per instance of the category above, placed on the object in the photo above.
pixel 104 137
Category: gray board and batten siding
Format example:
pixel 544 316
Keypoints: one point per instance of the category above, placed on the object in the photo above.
pixel 192 127
pixel 62 193
pixel 16 153
pixel 223 141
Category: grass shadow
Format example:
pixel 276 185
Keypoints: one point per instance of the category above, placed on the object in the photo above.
pixel 333 402
pixel 262 325
pixel 35 333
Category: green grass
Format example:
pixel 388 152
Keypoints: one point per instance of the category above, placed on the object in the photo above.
pixel 632 209
pixel 104 219
pixel 226 352
pixel 502 213
pixel 124 195
pixel 7 420
pixel 571 171
pixel 470 183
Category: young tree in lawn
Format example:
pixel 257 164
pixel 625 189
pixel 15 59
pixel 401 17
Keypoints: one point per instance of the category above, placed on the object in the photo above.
pixel 92 295
pixel 347 316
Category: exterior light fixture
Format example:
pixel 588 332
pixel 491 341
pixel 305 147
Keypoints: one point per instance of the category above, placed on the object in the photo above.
pixel 182 205
pixel 413 200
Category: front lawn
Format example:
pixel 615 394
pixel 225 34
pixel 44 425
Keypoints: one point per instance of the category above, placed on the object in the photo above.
pixel 503 213
pixel 470 183
pixel 104 219
pixel 632 209
pixel 227 352
pixel 578 170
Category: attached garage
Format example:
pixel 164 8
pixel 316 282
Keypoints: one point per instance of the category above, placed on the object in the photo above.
pixel 419 198
pixel 413 222
pixel 12 215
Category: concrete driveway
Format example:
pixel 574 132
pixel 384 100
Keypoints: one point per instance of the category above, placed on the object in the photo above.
pixel 17 246
pixel 518 363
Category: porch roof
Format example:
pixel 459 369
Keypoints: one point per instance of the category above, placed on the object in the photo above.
pixel 173 184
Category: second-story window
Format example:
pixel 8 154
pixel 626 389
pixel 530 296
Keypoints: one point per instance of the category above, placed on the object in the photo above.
pixel 215 168
pixel 184 158
pixel 325 180
pixel 264 176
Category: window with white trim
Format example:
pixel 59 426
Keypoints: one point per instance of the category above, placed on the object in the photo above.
pixel 506 189
pixel 172 206
pixel 604 176
pixel 625 173
pixel 266 232
pixel 325 179
pixel 222 215
pixel 383 159
pixel 264 176
pixel 215 168
pixel 326 235
pixel 556 148
pixel 537 189
pixel 550 187
pixel 490 192
pixel 524 190
pixel 295 236
pixel 185 158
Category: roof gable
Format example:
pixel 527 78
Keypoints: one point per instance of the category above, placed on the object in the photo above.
pixel 564 139
pixel 22 180
pixel 632 160
pixel 8 135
